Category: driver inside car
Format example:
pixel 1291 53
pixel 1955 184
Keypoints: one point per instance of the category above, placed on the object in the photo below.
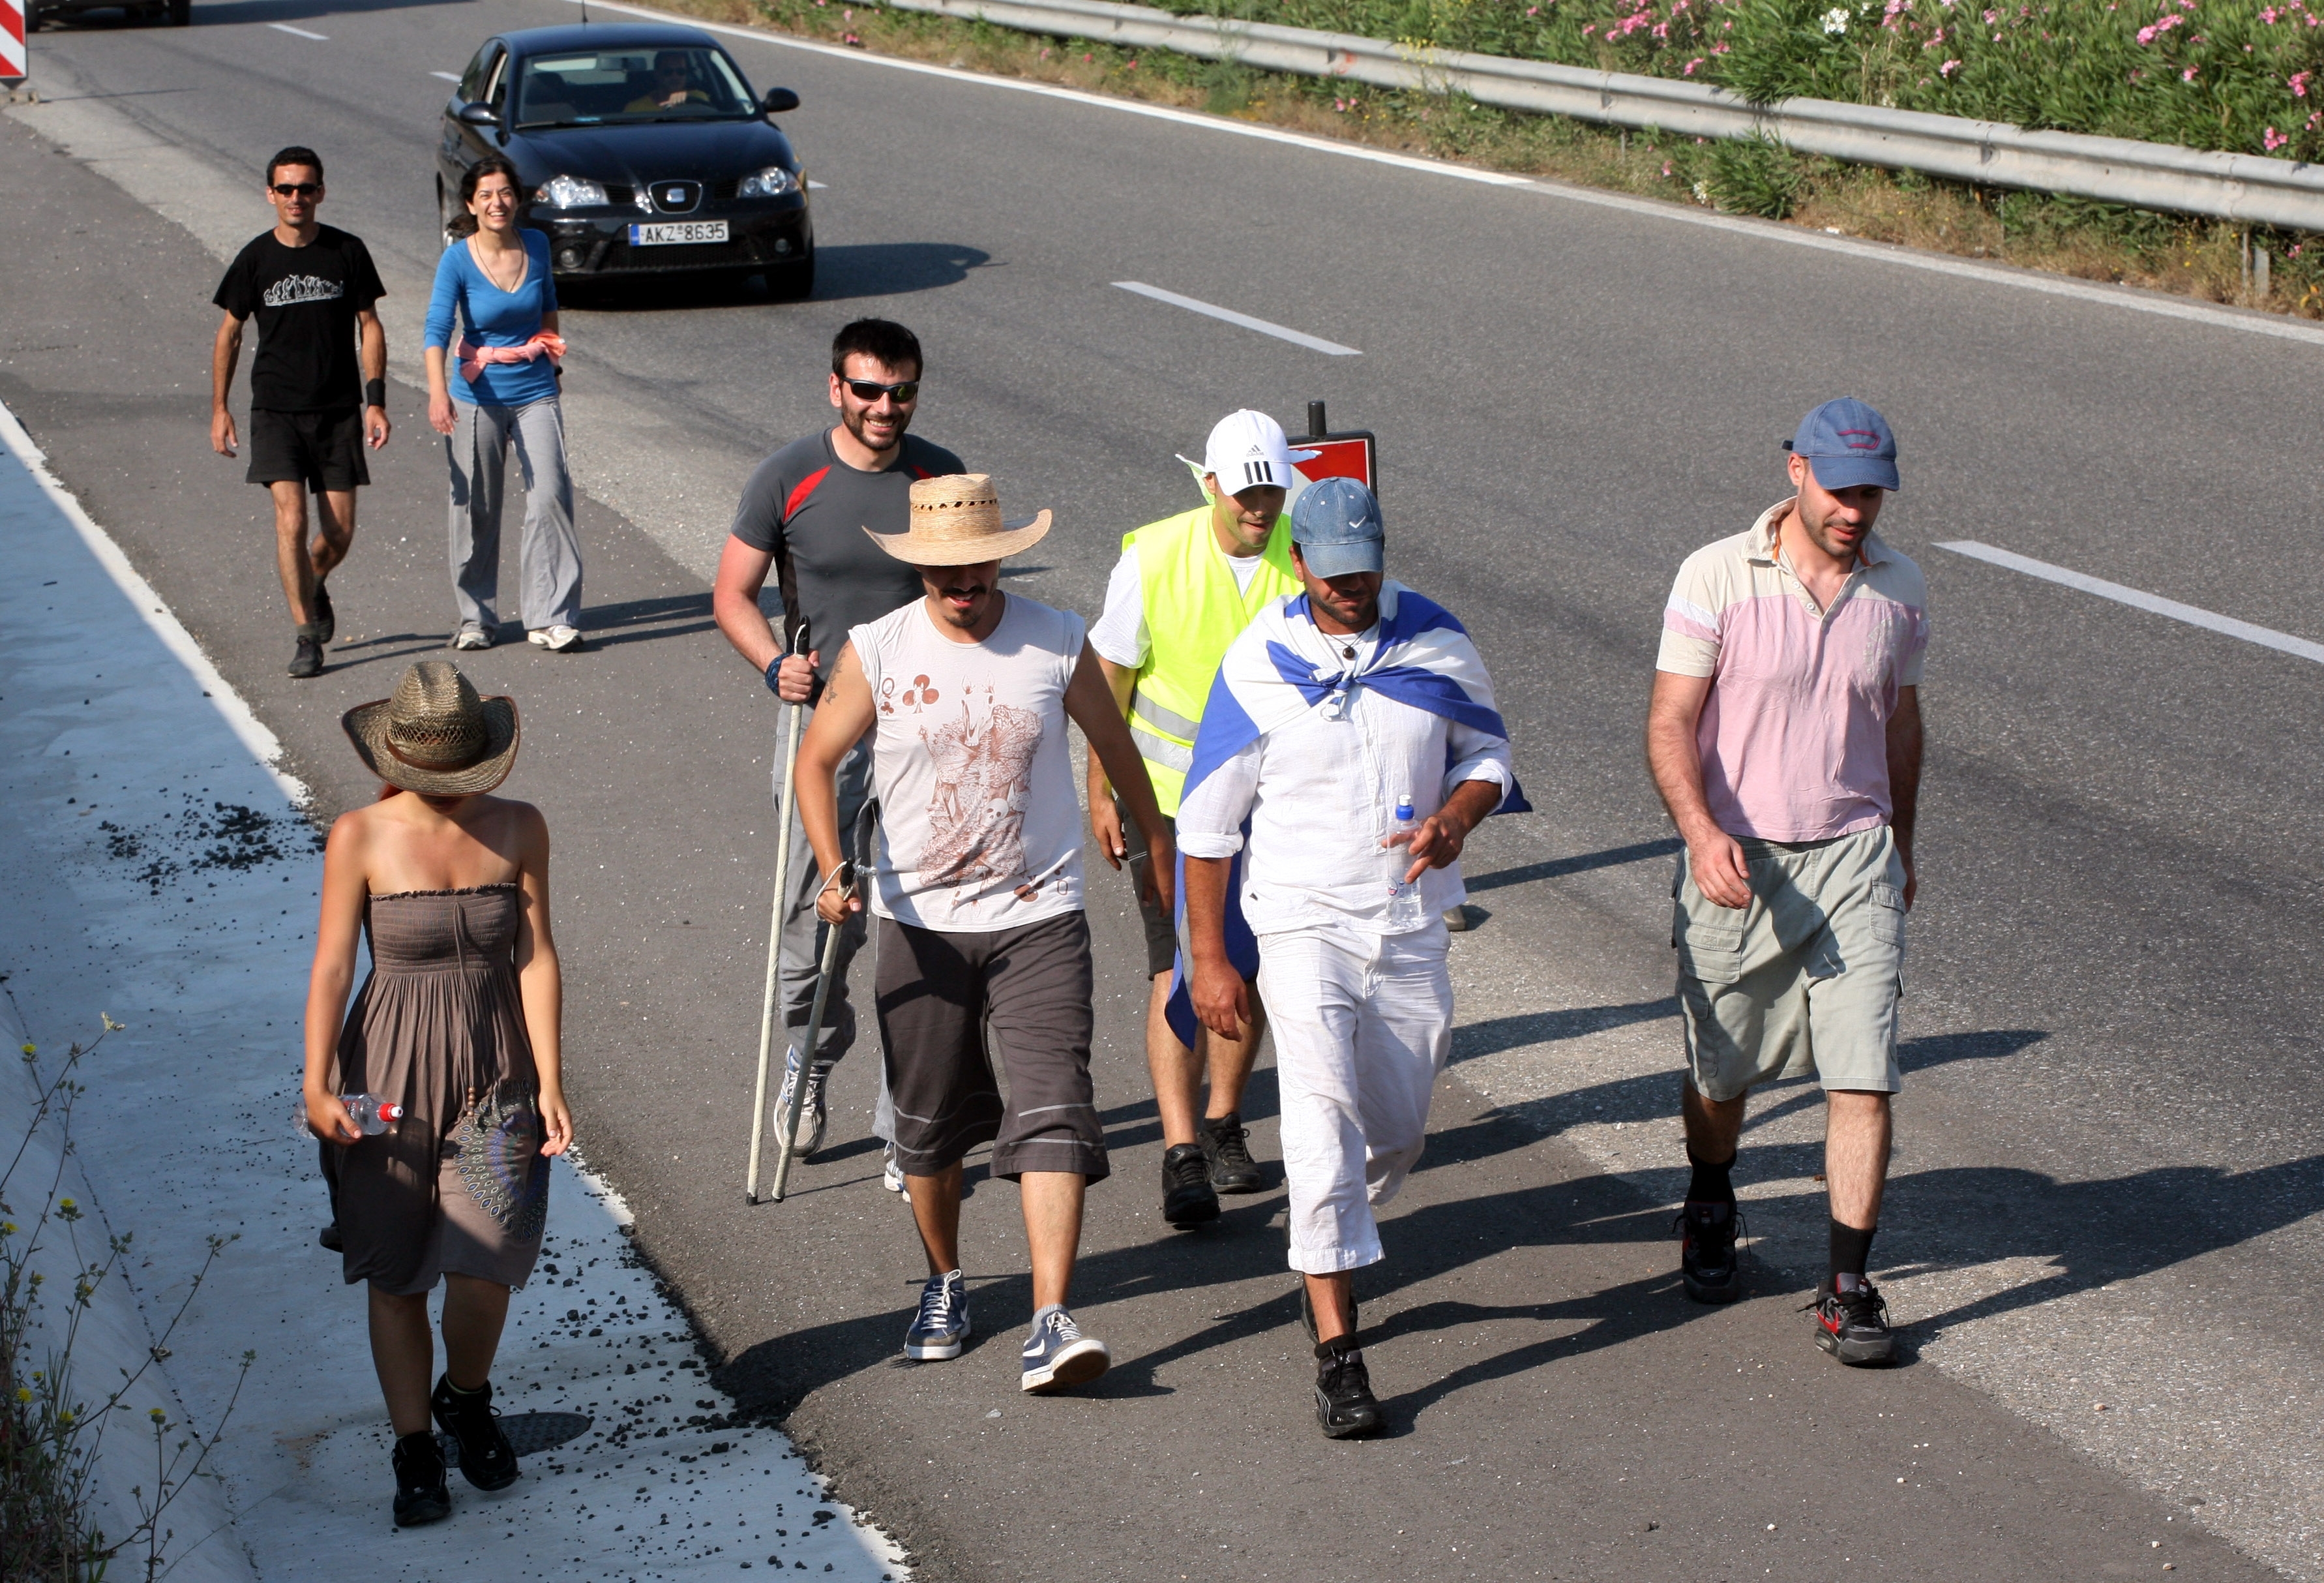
pixel 673 82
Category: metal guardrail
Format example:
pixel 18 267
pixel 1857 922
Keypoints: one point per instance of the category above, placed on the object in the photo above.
pixel 2249 188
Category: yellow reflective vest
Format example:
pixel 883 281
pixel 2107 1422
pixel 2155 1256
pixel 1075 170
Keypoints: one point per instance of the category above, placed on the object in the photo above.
pixel 1193 609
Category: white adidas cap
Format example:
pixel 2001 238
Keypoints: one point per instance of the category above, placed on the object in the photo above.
pixel 1247 451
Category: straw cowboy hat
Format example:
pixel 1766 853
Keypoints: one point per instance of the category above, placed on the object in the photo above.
pixel 957 521
pixel 435 736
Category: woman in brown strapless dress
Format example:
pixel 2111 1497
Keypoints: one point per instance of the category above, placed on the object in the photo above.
pixel 458 1024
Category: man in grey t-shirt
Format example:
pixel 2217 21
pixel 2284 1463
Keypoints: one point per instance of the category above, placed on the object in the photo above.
pixel 802 516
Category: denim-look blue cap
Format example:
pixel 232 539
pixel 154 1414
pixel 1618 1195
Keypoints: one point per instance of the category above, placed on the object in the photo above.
pixel 1847 444
pixel 1336 523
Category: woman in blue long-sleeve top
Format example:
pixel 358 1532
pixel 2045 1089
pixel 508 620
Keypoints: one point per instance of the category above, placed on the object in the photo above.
pixel 501 391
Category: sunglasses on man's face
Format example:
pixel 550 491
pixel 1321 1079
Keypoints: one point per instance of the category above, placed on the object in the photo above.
pixel 298 189
pixel 870 391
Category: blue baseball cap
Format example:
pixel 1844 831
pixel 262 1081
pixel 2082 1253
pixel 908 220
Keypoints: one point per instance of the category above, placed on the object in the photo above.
pixel 1336 523
pixel 1847 444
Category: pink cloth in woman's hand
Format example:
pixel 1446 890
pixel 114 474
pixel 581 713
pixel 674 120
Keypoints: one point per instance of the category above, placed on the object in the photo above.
pixel 472 358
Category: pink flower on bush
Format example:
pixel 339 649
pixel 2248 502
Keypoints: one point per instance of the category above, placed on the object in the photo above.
pixel 2269 16
pixel 2299 82
pixel 1948 69
pixel 2188 74
pixel 1689 71
pixel 2272 139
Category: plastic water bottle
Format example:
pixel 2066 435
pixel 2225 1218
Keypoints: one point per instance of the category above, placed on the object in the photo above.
pixel 1403 894
pixel 372 1115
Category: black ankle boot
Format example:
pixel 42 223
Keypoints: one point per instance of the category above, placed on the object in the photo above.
pixel 487 1460
pixel 419 1494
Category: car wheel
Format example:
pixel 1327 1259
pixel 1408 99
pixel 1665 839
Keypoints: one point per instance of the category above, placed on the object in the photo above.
pixel 443 217
pixel 181 13
pixel 793 282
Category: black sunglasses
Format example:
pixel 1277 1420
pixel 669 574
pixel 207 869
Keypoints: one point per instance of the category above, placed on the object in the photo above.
pixel 298 189
pixel 869 391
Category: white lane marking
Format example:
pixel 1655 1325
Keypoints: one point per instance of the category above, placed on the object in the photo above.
pixel 1195 305
pixel 2122 297
pixel 815 186
pixel 284 27
pixel 2266 637
pixel 447 76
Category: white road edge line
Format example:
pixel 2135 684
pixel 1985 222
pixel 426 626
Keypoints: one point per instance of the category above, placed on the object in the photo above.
pixel 2266 637
pixel 447 76
pixel 2119 297
pixel 1195 305
pixel 284 27
pixel 240 718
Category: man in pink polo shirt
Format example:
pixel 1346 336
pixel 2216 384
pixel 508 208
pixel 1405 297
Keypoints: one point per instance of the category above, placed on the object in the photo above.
pixel 1784 735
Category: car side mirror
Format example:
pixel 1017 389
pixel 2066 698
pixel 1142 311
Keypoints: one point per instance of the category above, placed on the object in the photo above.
pixel 479 114
pixel 777 101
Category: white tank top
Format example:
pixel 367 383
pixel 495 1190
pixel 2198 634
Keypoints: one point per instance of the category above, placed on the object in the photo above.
pixel 979 826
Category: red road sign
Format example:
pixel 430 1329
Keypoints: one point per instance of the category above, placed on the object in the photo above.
pixel 1352 455
pixel 11 42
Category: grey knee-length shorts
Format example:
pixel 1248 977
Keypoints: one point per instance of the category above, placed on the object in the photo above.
pixel 953 1007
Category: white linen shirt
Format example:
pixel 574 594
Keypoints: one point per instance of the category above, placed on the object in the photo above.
pixel 1321 796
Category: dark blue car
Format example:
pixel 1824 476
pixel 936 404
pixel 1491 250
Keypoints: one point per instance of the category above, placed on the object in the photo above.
pixel 643 151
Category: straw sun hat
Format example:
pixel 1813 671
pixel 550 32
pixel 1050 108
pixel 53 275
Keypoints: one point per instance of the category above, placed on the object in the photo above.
pixel 435 736
pixel 957 521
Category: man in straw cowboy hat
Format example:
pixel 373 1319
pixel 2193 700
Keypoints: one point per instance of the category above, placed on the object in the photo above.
pixel 1351 731
pixel 985 950
pixel 1184 589
pixel 800 518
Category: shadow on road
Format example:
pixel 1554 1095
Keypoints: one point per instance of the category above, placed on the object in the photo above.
pixel 1558 868
pixel 892 269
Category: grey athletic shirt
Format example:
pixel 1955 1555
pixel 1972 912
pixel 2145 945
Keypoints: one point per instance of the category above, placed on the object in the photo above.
pixel 810 509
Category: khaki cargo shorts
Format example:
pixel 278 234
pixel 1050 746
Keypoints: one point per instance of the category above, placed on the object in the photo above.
pixel 1805 980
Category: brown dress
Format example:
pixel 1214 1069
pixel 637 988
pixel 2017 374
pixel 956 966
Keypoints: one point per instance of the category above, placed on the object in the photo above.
pixel 458 1186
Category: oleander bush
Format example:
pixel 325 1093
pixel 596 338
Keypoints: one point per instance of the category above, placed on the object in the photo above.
pixel 2239 74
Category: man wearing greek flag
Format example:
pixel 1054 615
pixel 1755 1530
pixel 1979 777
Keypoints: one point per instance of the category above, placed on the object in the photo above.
pixel 1350 739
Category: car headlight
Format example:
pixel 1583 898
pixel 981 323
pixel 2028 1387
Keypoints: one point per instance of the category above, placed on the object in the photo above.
pixel 570 192
pixel 771 182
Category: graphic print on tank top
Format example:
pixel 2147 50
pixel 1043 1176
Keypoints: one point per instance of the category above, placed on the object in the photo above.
pixel 984 758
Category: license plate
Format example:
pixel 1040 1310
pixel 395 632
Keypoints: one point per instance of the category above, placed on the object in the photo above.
pixel 665 233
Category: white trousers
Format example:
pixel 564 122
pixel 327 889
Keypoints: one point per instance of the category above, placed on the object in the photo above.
pixel 1362 1025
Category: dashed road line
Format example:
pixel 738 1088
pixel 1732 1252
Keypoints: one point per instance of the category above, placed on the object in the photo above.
pixel 2266 637
pixel 1195 305
pixel 284 27
pixel 447 76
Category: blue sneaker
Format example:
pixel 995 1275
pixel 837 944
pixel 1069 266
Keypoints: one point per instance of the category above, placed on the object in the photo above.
pixel 1058 1356
pixel 942 1324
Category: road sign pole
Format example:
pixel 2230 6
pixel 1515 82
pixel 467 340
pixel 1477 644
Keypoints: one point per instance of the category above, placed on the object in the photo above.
pixel 13 65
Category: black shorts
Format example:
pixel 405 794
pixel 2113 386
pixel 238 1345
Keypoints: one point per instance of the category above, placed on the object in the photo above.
pixel 953 1006
pixel 322 451
pixel 1161 928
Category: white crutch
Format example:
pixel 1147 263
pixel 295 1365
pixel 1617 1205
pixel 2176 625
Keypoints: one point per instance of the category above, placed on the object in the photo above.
pixel 775 940
pixel 787 1119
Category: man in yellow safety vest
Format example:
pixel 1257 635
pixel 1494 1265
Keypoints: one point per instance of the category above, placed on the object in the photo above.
pixel 1183 591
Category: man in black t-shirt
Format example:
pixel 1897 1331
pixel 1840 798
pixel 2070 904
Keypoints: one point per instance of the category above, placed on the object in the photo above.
pixel 313 402
pixel 803 515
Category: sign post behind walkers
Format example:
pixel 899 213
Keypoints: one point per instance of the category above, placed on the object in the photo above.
pixel 1352 455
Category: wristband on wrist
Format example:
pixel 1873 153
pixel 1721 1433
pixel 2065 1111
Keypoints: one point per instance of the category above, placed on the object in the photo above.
pixel 774 675
pixel 374 392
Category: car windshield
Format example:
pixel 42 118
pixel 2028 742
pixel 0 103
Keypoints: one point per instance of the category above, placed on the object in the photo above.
pixel 610 86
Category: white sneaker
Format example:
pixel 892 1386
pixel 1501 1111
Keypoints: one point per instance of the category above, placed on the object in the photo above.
pixel 891 1174
pixel 556 640
pixel 472 637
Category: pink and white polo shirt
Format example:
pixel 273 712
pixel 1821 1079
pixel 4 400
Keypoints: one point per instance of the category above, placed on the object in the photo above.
pixel 1793 736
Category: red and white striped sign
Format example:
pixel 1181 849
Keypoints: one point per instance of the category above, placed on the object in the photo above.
pixel 12 42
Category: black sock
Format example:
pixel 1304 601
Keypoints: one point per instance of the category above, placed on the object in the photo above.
pixel 1850 1249
pixel 1710 1184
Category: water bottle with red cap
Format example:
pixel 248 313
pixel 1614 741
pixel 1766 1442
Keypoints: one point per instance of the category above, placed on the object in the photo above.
pixel 372 1115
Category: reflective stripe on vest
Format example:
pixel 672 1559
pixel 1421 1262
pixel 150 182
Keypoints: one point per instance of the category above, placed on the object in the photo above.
pixel 1194 610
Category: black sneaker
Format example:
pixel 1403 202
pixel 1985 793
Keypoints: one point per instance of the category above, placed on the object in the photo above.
pixel 1344 1404
pixel 1853 1325
pixel 1226 1149
pixel 1307 1311
pixel 326 620
pixel 486 1459
pixel 1187 1198
pixel 419 1494
pixel 308 661
pixel 331 1239
pixel 1706 1254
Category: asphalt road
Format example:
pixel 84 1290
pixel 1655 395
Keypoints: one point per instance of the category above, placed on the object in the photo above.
pixel 2110 1168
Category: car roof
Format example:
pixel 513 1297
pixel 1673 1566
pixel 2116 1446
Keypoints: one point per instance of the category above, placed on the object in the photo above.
pixel 626 35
